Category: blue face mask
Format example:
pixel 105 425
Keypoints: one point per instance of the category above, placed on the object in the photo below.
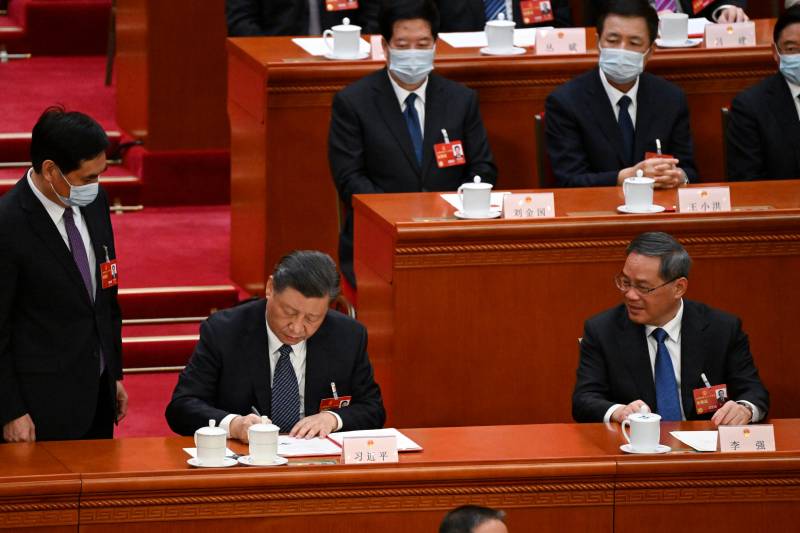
pixel 621 66
pixel 79 195
pixel 412 65
pixel 790 67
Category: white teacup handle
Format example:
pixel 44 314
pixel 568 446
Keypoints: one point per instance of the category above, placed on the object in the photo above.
pixel 625 185
pixel 625 423
pixel 461 196
pixel 325 35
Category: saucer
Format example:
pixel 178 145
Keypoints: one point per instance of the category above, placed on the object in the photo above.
pixel 493 213
pixel 688 43
pixel 659 449
pixel 513 51
pixel 636 211
pixel 228 461
pixel 246 460
pixel 361 55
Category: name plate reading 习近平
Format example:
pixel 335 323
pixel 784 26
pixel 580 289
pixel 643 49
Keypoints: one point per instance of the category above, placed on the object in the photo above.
pixel 369 450
pixel 561 41
pixel 731 35
pixel 704 200
pixel 533 205
pixel 758 438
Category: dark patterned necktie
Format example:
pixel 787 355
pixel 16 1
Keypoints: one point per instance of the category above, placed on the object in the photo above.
pixel 627 129
pixel 285 392
pixel 414 128
pixel 667 398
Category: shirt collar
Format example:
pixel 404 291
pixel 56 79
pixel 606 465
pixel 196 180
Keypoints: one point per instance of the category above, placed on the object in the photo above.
pixel 273 342
pixel 55 211
pixel 615 94
pixel 793 88
pixel 673 327
pixel 402 94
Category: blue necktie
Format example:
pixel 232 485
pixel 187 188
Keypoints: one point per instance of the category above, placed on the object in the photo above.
pixel 667 397
pixel 414 129
pixel 626 128
pixel 285 392
pixel 493 7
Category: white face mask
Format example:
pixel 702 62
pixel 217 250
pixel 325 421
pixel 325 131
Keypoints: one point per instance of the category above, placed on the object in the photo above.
pixel 620 65
pixel 79 195
pixel 412 65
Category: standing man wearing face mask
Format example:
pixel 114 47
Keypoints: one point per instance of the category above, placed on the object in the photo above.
pixel 60 323
pixel 600 125
pixel 384 127
pixel 764 131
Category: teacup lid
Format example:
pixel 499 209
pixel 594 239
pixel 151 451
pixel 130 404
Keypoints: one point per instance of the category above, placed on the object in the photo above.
pixel 476 184
pixel 644 415
pixel 264 425
pixel 640 177
pixel 346 26
pixel 501 21
pixel 212 429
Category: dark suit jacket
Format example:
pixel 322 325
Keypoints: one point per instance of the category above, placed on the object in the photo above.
pixel 598 6
pixel 248 18
pixel 50 332
pixel 615 366
pixel 764 133
pixel 229 371
pixel 370 150
pixel 583 138
pixel 470 15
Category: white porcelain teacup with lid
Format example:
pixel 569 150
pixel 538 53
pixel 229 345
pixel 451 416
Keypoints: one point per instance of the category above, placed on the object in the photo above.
pixel 210 442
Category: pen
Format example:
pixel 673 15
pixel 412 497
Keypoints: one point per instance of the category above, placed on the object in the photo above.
pixel 658 146
pixel 333 389
pixel 705 381
pixel 446 137
pixel 254 410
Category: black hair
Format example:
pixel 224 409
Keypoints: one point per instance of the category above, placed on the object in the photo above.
pixel 396 10
pixel 466 518
pixel 66 138
pixel 311 273
pixel 675 260
pixel 631 8
pixel 790 16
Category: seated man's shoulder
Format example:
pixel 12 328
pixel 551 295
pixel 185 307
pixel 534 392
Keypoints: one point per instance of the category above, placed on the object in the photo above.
pixel 576 87
pixel 358 87
pixel 666 88
pixel 240 314
pixel 756 95
pixel 715 317
pixel 342 324
pixel 607 318
pixel 450 86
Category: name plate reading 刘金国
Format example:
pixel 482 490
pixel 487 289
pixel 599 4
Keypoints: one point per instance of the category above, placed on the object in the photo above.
pixel 533 205
pixel 758 438
pixel 369 450
pixel 731 35
pixel 561 41
pixel 704 200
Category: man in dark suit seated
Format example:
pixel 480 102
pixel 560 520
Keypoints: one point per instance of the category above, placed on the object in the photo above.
pixel 471 15
pixel 60 323
pixel 250 18
pixel 764 130
pixel 384 127
pixel 283 356
pixel 716 10
pixel 656 348
pixel 600 125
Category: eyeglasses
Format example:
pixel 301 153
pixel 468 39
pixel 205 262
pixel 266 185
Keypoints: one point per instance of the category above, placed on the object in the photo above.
pixel 624 285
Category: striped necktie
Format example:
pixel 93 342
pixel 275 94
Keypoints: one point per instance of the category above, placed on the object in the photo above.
pixel 493 7
pixel 285 392
pixel 665 5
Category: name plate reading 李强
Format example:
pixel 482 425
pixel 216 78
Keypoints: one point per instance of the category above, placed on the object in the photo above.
pixel 758 438
pixel 369 450
pixel 561 41
pixel 704 200
pixel 534 205
pixel 731 35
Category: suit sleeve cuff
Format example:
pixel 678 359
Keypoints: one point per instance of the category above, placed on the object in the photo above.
pixel 339 422
pixel 225 423
pixel 715 15
pixel 607 417
pixel 756 411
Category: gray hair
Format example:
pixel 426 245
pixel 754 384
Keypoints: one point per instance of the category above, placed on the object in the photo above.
pixel 311 273
pixel 675 260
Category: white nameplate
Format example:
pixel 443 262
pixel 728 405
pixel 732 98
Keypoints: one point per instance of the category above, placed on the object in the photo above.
pixel 534 205
pixel 731 35
pixel 704 200
pixel 561 41
pixel 758 438
pixel 369 450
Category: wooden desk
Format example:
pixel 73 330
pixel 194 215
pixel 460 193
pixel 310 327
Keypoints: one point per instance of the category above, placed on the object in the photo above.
pixel 279 101
pixel 477 322
pixel 558 477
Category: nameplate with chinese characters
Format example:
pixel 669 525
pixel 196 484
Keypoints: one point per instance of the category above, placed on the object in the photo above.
pixel 533 205
pixel 369 450
pixel 704 200
pixel 758 438
pixel 731 35
pixel 561 41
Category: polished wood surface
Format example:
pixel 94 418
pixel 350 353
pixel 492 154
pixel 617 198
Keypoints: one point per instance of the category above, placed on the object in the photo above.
pixel 476 322
pixel 279 106
pixel 556 477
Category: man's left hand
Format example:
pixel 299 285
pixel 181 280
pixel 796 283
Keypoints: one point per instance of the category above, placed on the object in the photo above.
pixel 318 425
pixel 731 414
pixel 122 402
pixel 732 14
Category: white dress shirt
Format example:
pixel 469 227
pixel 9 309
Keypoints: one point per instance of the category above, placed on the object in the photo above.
pixel 615 94
pixel 419 103
pixel 795 90
pixel 56 213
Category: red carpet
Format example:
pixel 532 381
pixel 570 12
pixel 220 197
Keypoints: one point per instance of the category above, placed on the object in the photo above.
pixel 148 396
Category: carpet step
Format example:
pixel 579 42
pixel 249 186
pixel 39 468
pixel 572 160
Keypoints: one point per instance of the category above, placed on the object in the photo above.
pixel 160 302
pixel 157 351
pixel 16 146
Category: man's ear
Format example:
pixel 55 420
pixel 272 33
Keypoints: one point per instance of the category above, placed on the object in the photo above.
pixel 681 286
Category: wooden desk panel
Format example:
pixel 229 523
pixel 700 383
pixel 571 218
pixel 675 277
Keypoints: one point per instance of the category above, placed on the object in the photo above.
pixel 477 322
pixel 280 101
